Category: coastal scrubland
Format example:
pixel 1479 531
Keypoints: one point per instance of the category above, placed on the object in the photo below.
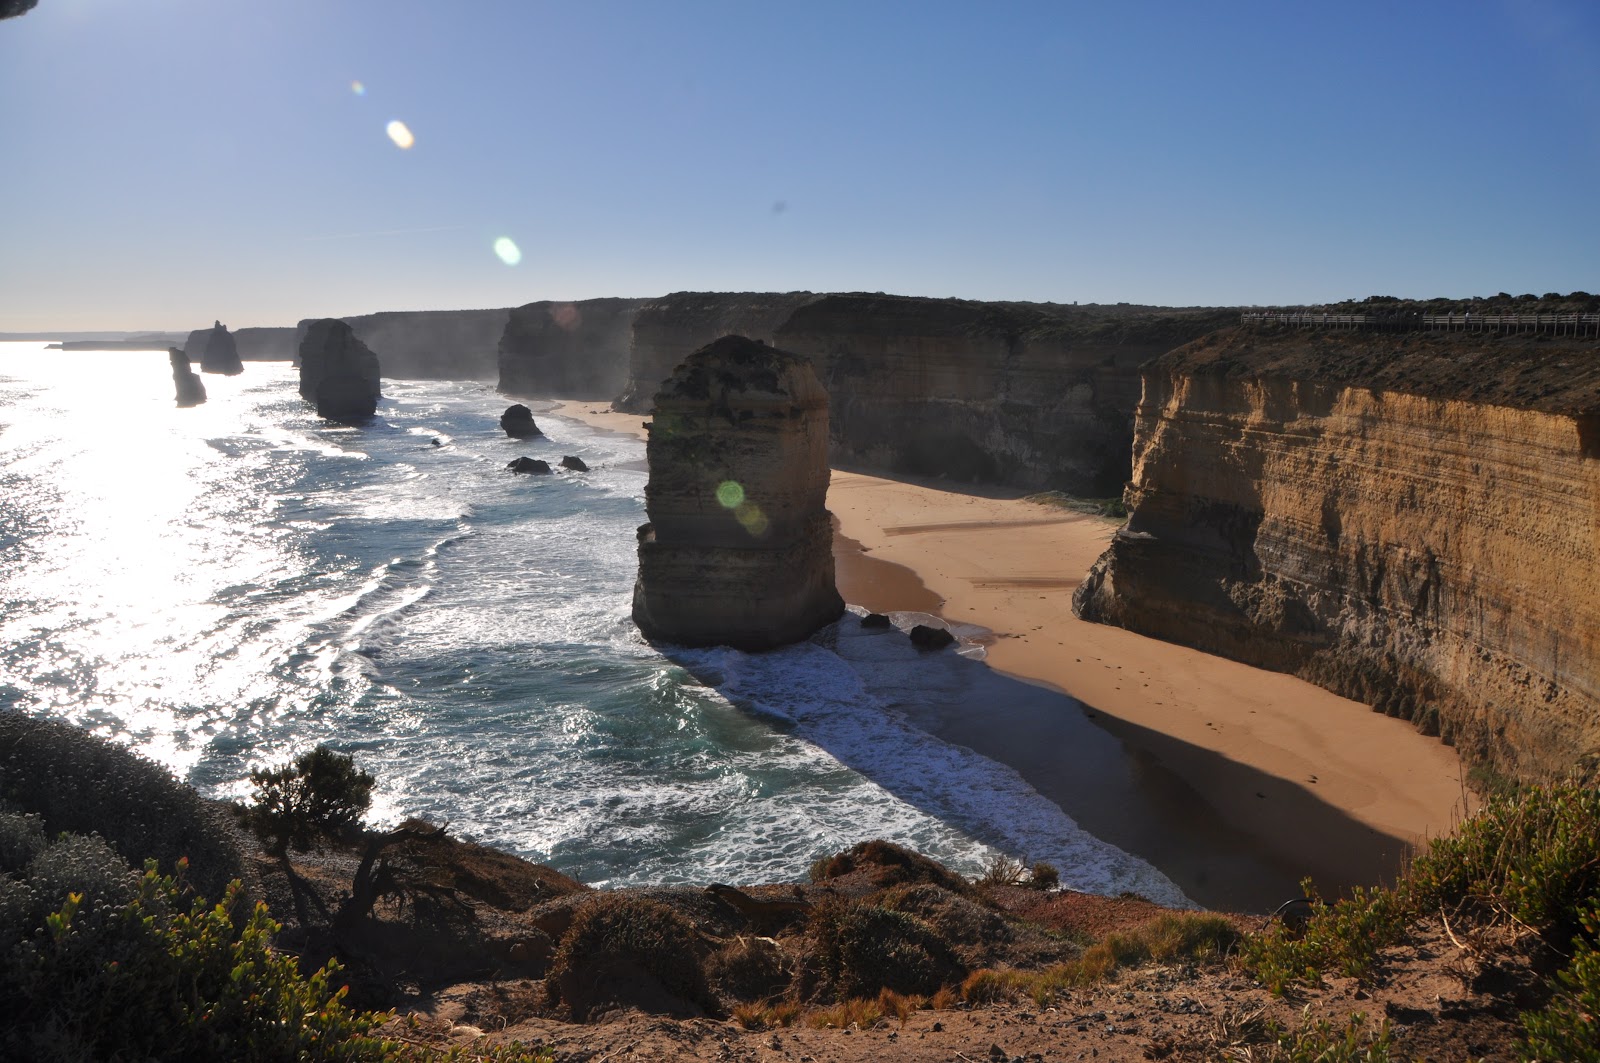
pixel 1485 948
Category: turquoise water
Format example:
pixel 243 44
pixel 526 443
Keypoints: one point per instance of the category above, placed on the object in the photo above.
pixel 224 586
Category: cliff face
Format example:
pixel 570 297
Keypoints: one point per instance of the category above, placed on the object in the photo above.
pixel 1411 521
pixel 1035 395
pixel 739 548
pixel 666 330
pixel 574 350
pixel 338 372
pixel 430 344
pixel 266 344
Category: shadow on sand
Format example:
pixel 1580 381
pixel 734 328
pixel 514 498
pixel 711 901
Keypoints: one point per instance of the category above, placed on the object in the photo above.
pixel 1110 776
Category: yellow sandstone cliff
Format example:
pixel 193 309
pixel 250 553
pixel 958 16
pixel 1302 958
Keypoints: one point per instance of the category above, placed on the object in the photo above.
pixel 1409 520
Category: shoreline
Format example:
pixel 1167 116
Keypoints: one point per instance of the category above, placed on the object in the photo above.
pixel 1234 781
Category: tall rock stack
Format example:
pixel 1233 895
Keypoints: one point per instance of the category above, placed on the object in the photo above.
pixel 338 372
pixel 221 354
pixel 739 548
pixel 190 390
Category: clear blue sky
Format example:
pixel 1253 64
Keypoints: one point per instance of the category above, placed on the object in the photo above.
pixel 166 162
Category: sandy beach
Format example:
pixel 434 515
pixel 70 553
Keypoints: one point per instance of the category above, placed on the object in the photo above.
pixel 1235 782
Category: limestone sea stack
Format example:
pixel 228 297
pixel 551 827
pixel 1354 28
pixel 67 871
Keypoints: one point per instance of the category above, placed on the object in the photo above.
pixel 221 354
pixel 338 373
pixel 739 548
pixel 190 390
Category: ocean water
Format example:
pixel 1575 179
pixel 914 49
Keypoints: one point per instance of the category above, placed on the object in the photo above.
pixel 225 586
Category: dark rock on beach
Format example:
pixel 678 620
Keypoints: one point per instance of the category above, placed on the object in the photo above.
pixel 875 620
pixel 533 465
pixel 338 372
pixel 518 422
pixel 573 463
pixel 931 638
pixel 190 390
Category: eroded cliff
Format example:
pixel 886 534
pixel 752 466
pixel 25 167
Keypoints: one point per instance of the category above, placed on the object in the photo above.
pixel 430 344
pixel 573 350
pixel 1412 521
pixel 1031 394
pixel 666 330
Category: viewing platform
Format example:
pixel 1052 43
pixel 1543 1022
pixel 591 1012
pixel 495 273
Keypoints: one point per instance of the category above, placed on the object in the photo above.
pixel 1552 324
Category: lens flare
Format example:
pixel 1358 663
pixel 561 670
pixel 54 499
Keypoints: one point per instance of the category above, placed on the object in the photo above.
pixel 730 494
pixel 508 250
pixel 358 88
pixel 755 522
pixel 400 134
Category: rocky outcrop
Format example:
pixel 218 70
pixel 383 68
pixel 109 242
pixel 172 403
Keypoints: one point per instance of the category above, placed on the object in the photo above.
pixel 338 372
pixel 1408 520
pixel 517 422
pixel 431 344
pixel 576 350
pixel 574 463
pixel 216 351
pixel 667 329
pixel 190 390
pixel 739 548
pixel 528 465
pixel 13 8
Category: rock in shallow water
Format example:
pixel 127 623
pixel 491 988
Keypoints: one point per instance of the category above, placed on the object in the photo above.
pixel 574 463
pixel 338 372
pixel 190 390
pixel 532 465
pixel 518 422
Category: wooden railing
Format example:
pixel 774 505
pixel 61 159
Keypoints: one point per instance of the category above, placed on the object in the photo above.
pixel 1554 324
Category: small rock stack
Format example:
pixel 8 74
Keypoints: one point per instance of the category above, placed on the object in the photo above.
pixel 739 548
pixel 190 390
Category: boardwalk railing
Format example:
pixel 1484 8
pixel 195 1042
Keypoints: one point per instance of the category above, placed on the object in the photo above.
pixel 1554 324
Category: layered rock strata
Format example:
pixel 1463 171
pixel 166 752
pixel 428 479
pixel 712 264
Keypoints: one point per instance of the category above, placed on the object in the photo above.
pixel 431 344
pixel 218 354
pixel 1411 521
pixel 739 548
pixel 667 329
pixel 576 350
pixel 338 373
pixel 190 390
pixel 1035 395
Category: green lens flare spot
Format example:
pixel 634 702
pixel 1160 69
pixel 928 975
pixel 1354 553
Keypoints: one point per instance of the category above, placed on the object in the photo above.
pixel 755 522
pixel 730 494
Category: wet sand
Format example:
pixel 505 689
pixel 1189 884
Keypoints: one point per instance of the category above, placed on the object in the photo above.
pixel 1235 782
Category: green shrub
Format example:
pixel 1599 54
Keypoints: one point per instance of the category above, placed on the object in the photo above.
pixel 614 932
pixel 1044 877
pixel 887 864
pixel 79 783
pixel 858 949
pixel 1569 1028
pixel 322 794
pixel 21 839
pixel 1533 854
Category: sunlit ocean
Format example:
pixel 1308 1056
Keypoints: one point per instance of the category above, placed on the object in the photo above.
pixel 225 586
